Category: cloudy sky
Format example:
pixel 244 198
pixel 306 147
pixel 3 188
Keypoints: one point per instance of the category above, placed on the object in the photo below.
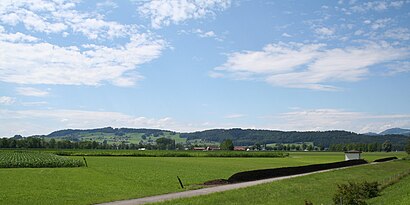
pixel 187 65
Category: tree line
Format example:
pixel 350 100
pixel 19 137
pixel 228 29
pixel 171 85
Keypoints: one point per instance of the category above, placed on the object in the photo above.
pixel 19 142
pixel 371 147
pixel 247 137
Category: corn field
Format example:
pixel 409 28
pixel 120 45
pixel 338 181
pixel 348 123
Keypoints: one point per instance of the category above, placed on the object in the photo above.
pixel 25 159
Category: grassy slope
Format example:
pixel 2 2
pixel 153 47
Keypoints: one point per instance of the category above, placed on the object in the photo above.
pixel 115 178
pixel 398 194
pixel 317 188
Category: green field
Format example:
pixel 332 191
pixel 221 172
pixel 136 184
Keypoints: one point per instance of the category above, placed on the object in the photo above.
pixel 316 188
pixel 115 178
pixel 169 153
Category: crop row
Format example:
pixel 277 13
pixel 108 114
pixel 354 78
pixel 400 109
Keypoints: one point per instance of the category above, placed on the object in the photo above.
pixel 25 159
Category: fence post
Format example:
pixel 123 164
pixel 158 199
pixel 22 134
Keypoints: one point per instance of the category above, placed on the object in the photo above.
pixel 180 182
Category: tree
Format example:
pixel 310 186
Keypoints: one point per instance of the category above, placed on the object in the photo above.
pixel 164 143
pixel 387 146
pixel 304 146
pixel 227 144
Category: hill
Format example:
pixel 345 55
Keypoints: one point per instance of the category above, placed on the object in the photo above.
pixel 325 138
pixel 239 136
pixel 396 131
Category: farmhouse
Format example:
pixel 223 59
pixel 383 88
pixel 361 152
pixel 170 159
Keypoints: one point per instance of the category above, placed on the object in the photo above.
pixel 199 148
pixel 352 154
pixel 239 148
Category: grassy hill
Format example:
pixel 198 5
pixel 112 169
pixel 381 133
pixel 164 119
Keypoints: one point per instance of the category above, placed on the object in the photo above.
pixel 215 136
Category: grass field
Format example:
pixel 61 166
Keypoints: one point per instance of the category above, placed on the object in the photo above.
pixel 115 178
pixel 168 153
pixel 316 188
pixel 397 194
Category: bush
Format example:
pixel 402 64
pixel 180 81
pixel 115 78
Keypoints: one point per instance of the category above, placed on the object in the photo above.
pixel 356 193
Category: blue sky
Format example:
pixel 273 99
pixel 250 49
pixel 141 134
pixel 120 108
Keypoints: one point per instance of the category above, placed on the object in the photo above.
pixel 188 65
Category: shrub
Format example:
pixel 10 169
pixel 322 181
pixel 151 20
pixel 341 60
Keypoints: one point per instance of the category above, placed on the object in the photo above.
pixel 356 193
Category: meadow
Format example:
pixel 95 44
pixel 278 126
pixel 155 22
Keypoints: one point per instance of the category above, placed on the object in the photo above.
pixel 115 178
pixel 317 188
pixel 169 153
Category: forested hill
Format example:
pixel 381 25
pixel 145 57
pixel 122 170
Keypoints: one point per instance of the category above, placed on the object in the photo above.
pixel 325 138
pixel 105 130
pixel 239 136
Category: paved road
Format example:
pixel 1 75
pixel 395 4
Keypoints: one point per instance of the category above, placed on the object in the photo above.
pixel 209 190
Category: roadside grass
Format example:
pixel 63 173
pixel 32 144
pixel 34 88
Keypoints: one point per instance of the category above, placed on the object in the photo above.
pixel 118 178
pixel 398 194
pixel 316 188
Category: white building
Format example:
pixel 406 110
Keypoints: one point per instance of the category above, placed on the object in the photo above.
pixel 353 154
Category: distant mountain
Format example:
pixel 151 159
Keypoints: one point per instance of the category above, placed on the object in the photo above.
pixel 396 131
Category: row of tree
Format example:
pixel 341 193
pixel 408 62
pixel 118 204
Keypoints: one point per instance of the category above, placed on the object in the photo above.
pixel 371 147
pixel 34 142
pixel 169 144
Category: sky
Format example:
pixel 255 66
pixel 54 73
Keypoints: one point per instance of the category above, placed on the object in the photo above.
pixel 190 65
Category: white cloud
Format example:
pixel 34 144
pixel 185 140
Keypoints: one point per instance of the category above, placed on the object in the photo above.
pixel 398 33
pixel 286 35
pixel 381 23
pixel 26 59
pixel 337 119
pixel 311 66
pixel 165 12
pixel 59 17
pixel 234 116
pixel 16 37
pixel 38 103
pixel 29 91
pixel 45 63
pixel 28 122
pixel 323 31
pixel 399 67
pixel 107 4
pixel 6 100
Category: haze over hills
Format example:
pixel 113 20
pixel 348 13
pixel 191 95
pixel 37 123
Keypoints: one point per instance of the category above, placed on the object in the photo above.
pixel 238 135
pixel 396 131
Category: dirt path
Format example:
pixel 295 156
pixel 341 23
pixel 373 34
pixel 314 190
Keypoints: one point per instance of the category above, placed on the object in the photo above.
pixel 209 190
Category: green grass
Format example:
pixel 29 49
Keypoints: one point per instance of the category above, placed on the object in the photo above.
pixel 398 194
pixel 317 188
pixel 116 178
pixel 168 153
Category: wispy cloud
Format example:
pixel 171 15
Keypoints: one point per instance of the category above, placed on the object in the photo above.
pixel 165 12
pixel 6 100
pixel 337 119
pixel 30 122
pixel 311 66
pixel 29 91
pixel 377 6
pixel 234 116
pixel 203 34
pixel 323 31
